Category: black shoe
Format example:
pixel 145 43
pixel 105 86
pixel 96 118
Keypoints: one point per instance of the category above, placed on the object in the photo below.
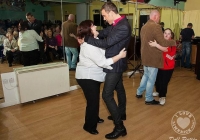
pixel 138 96
pixel 117 132
pixel 153 102
pixel 123 117
pixel 93 132
pixel 10 65
pixel 100 121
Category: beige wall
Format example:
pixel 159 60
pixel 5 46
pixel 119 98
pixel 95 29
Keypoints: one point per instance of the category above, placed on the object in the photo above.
pixel 70 8
pixel 128 9
pixel 192 5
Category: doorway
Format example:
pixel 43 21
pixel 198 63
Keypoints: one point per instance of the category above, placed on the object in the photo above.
pixel 142 21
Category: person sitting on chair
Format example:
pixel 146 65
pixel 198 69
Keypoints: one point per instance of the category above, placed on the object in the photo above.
pixel 51 46
pixel 10 48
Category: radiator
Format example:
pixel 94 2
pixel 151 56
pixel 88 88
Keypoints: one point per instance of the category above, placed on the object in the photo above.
pixel 40 81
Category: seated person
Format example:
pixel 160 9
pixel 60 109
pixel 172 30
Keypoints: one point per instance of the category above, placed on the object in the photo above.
pixel 16 35
pixel 2 38
pixel 59 41
pixel 10 48
pixel 51 45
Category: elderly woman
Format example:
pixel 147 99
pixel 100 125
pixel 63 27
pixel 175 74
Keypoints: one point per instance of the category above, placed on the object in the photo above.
pixel 90 75
pixel 10 48
pixel 28 45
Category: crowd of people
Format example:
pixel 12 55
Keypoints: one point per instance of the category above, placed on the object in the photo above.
pixel 102 58
pixel 17 37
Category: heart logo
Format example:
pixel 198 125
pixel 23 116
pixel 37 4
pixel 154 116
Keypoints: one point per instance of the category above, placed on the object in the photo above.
pixel 183 122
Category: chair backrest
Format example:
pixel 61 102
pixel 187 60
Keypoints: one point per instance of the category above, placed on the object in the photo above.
pixel 178 50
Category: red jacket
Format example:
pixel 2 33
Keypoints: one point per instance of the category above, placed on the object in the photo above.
pixel 59 40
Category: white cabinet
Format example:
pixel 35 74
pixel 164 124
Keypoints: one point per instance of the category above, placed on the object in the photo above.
pixel 40 81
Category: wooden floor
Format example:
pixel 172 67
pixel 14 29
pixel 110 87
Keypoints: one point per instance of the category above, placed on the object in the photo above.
pixel 62 117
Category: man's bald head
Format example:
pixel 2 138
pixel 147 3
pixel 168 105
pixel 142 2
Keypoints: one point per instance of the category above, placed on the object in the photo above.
pixel 71 17
pixel 155 16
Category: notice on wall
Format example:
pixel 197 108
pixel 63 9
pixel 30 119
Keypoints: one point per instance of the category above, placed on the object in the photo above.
pixel 10 89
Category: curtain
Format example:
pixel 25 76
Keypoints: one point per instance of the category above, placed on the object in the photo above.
pixel 194 18
pixel 173 19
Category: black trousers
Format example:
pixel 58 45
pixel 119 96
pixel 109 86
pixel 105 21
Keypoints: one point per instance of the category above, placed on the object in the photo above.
pixel 1 51
pixel 113 81
pixel 91 90
pixel 30 58
pixel 162 81
pixel 42 54
pixel 53 51
pixel 11 55
pixel 60 51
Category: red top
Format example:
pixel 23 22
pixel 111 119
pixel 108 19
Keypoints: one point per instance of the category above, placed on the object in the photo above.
pixel 169 58
pixel 59 40
pixel 117 20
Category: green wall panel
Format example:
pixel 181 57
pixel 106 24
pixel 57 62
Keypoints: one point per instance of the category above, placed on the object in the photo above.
pixel 167 3
pixel 36 10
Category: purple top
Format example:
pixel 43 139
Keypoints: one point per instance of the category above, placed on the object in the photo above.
pixel 51 41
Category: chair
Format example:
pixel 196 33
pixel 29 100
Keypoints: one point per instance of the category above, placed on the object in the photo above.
pixel 178 54
pixel 3 57
pixel 17 58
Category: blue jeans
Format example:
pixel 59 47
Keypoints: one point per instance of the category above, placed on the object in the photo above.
pixel 147 82
pixel 186 51
pixel 71 55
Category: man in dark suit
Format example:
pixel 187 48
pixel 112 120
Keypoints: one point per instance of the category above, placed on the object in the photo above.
pixel 36 25
pixel 114 38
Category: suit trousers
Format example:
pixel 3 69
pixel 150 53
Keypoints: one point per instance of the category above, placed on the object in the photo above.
pixel 113 81
pixel 91 90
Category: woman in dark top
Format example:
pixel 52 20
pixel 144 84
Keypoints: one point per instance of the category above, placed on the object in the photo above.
pixel 51 45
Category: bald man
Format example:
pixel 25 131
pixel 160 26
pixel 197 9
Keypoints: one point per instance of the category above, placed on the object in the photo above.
pixel 70 43
pixel 152 58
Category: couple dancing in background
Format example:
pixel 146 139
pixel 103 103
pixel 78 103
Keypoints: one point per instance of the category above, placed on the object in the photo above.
pixel 153 59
